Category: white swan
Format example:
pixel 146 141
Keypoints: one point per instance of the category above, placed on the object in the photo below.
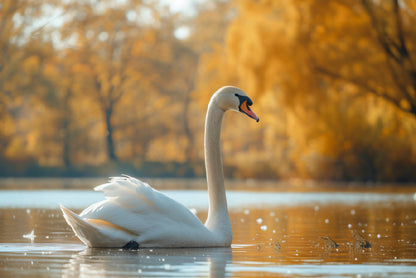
pixel 134 214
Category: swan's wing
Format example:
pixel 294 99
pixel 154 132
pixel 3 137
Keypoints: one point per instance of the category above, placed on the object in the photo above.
pixel 137 207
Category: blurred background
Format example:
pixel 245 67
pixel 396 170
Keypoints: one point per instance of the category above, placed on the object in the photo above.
pixel 99 88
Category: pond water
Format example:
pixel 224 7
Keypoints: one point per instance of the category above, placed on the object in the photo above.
pixel 279 231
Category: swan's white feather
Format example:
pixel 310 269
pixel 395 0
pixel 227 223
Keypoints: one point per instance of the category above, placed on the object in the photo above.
pixel 150 217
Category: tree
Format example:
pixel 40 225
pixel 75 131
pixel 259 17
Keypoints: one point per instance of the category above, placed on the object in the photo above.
pixel 105 44
pixel 24 48
pixel 306 60
pixel 381 62
pixel 131 68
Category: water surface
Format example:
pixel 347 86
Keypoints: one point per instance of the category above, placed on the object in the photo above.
pixel 276 233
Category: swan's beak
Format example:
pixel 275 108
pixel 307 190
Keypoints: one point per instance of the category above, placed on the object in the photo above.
pixel 245 108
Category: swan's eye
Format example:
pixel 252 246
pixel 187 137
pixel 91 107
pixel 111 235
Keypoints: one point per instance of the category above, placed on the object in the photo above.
pixel 243 99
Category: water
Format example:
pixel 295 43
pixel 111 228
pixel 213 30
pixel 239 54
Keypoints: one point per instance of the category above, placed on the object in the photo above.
pixel 280 231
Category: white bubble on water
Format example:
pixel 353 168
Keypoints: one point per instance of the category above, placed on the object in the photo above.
pixel 30 236
pixel 263 228
pixel 259 220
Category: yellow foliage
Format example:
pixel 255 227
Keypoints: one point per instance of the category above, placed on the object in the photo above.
pixel 312 59
pixel 31 64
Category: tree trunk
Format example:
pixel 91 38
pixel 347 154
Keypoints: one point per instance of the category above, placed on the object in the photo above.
pixel 110 142
pixel 66 132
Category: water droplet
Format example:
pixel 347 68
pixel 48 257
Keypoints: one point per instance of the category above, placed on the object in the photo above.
pixel 263 228
pixel 259 220
pixel 30 236
pixel 378 236
pixel 326 221
pixel 349 226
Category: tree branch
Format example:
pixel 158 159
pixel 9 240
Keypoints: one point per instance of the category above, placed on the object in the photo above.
pixel 383 37
pixel 399 26
pixel 367 88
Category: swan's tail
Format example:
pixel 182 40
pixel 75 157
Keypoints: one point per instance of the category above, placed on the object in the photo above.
pixel 94 235
pixel 82 228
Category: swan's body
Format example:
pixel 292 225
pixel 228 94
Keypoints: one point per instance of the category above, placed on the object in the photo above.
pixel 134 211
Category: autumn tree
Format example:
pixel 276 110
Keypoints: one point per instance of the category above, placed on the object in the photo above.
pixel 24 48
pixel 131 65
pixel 376 47
pixel 311 62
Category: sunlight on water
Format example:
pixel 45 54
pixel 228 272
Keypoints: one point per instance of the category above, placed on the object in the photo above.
pixel 314 234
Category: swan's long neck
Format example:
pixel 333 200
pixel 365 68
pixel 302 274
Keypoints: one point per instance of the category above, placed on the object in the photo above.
pixel 218 219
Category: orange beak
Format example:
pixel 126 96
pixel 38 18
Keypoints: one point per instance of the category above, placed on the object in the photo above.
pixel 246 110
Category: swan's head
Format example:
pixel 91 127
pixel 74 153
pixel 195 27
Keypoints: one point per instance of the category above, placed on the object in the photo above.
pixel 233 98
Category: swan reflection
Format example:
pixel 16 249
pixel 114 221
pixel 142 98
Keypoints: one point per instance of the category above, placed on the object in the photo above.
pixel 210 262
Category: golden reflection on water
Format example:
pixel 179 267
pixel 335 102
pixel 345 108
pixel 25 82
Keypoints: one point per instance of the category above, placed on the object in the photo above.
pixel 273 236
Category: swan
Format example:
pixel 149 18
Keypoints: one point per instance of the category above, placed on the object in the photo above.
pixel 135 215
